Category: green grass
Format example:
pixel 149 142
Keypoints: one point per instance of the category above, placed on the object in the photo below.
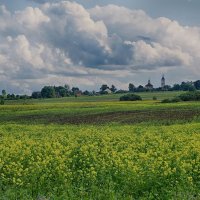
pixel 100 148
pixel 101 98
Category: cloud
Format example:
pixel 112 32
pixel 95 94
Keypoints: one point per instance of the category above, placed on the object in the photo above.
pixel 64 39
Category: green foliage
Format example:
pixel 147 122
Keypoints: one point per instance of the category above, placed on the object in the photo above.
pixel 173 100
pixel 154 98
pixel 131 87
pixel 75 90
pixel 36 95
pixel 113 89
pixel 190 96
pixel 86 93
pixel 130 97
pixel 4 94
pixel 197 84
pixel 48 92
pixel 120 162
pixel 104 87
pixel 2 101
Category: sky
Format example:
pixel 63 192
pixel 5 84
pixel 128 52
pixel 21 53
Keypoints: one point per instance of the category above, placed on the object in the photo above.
pixel 87 43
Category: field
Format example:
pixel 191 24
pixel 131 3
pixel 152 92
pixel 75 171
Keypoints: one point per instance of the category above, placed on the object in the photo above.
pixel 100 148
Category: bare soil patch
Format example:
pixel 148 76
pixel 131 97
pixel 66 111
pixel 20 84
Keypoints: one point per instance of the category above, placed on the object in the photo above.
pixel 125 117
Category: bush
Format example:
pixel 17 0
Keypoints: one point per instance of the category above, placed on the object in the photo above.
pixel 121 91
pixel 174 100
pixel 190 96
pixel 130 97
pixel 2 102
pixel 154 98
pixel 166 101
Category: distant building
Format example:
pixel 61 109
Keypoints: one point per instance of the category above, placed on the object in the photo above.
pixel 149 86
pixel 108 91
pixel 78 93
pixel 163 82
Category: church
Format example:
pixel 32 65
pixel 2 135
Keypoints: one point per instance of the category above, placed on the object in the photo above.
pixel 163 82
pixel 149 86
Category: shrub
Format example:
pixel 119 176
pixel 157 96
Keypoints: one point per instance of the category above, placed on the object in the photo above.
pixel 174 100
pixel 190 96
pixel 166 101
pixel 2 102
pixel 130 97
pixel 154 98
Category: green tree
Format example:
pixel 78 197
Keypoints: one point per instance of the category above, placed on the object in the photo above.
pixel 176 87
pixel 113 89
pixel 2 101
pixel 104 87
pixel 86 93
pixel 4 93
pixel 197 84
pixel 140 88
pixel 67 87
pixel 36 95
pixel 131 87
pixel 48 92
pixel 187 86
pixel 75 90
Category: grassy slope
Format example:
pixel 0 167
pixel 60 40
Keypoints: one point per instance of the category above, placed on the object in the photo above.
pixel 83 112
pixel 111 97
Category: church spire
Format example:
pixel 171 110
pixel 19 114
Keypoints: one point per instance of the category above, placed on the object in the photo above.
pixel 163 82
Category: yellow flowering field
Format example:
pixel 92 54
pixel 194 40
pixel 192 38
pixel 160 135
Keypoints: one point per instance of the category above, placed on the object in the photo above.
pixel 113 161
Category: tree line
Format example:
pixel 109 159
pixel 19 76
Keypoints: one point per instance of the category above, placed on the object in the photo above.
pixel 66 91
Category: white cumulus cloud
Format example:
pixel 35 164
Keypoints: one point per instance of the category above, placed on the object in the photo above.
pixel 65 42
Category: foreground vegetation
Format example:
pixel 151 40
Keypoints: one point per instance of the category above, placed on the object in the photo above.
pixel 100 150
pixel 92 162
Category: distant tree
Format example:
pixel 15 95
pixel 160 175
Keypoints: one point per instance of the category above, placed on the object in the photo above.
pixel 113 89
pixel 187 86
pixel 104 87
pixel 197 84
pixel 75 90
pixel 131 87
pixel 11 96
pixel 36 95
pixel 67 87
pixel 190 96
pixel 140 88
pixel 176 87
pixel 130 97
pixel 24 97
pixel 167 87
pixel 4 93
pixel 86 93
pixel 63 92
pixel 17 97
pixel 2 101
pixel 8 96
pixel 48 92
pixel 121 91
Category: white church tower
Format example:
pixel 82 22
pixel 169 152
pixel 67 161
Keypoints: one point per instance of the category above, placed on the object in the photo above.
pixel 163 82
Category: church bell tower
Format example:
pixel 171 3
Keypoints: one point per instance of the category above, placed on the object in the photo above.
pixel 163 82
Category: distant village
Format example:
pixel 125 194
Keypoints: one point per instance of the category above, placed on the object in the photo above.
pixel 66 91
pixel 148 87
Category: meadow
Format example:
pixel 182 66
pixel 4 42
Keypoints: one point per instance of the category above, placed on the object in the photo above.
pixel 100 148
